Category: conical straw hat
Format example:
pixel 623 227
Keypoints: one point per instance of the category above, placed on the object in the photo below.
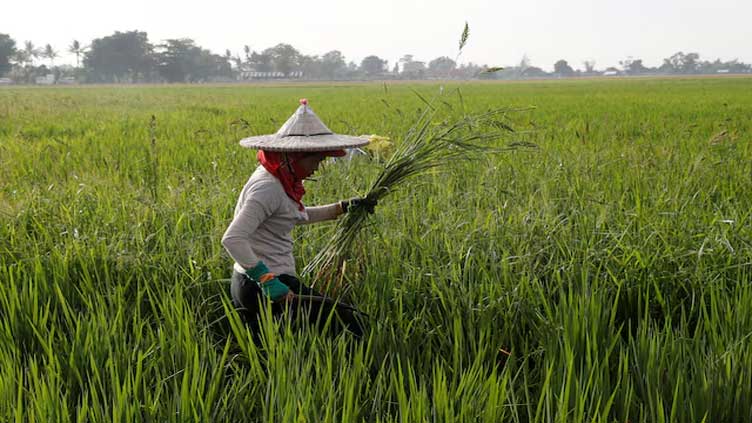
pixel 303 132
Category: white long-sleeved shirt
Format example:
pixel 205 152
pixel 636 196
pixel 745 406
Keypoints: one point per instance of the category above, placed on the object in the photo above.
pixel 263 221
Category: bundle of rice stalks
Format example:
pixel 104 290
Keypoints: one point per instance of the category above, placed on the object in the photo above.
pixel 380 147
pixel 427 145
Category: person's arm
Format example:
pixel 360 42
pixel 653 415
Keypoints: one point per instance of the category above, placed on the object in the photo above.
pixel 259 204
pixel 322 213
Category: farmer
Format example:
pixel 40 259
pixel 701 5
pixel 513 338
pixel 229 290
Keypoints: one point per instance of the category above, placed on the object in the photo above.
pixel 269 206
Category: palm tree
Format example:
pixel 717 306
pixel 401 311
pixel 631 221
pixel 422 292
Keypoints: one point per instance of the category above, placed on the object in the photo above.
pixel 76 49
pixel 31 52
pixel 247 51
pixel 50 53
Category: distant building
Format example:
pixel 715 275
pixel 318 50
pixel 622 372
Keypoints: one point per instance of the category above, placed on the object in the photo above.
pixel 48 79
pixel 250 73
pixel 6 81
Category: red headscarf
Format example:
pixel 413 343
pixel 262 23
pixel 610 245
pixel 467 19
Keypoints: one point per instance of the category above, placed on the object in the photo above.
pixel 275 163
pixel 287 171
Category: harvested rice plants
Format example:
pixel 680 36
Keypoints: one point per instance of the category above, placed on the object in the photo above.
pixel 600 271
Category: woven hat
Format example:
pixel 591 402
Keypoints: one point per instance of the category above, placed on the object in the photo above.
pixel 303 132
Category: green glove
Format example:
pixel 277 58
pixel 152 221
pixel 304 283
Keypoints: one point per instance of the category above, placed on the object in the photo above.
pixel 268 282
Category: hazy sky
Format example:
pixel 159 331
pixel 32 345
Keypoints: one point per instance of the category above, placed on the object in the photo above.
pixel 606 31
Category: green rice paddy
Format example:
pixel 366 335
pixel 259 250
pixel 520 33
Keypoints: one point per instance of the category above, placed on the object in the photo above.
pixel 604 275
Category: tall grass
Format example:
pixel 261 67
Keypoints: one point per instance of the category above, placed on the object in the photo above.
pixel 603 277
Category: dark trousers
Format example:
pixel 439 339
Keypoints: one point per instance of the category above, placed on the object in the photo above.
pixel 248 300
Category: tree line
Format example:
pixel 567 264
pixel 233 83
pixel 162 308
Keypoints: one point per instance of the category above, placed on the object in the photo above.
pixel 129 57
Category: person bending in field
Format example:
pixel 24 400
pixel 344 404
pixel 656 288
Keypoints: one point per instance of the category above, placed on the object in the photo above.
pixel 259 237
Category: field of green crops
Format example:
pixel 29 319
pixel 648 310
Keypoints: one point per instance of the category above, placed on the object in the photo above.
pixel 604 275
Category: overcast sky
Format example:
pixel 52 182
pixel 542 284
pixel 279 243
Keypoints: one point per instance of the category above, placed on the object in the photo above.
pixel 501 32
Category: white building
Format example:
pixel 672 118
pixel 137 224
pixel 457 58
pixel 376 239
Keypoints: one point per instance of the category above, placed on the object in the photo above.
pixel 48 79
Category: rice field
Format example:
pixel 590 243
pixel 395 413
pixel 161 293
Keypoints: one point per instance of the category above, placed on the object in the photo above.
pixel 602 271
